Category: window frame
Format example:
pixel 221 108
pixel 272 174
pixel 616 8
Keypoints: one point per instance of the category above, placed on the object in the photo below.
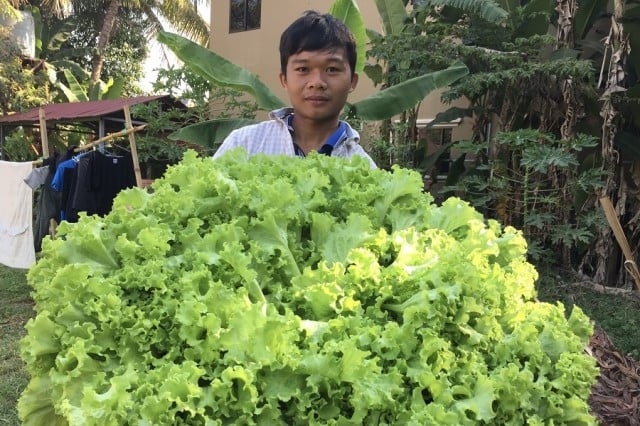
pixel 245 19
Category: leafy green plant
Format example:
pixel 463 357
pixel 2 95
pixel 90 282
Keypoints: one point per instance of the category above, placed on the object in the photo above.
pixel 155 150
pixel 21 87
pixel 18 146
pixel 204 99
pixel 539 184
pixel 277 290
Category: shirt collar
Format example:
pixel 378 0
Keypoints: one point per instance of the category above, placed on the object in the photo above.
pixel 338 135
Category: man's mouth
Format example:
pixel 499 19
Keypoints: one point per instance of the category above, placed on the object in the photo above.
pixel 316 99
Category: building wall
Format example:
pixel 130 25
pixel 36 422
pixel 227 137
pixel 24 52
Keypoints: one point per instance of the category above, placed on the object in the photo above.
pixel 257 50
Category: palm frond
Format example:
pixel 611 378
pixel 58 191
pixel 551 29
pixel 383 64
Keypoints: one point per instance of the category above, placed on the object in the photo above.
pixel 184 17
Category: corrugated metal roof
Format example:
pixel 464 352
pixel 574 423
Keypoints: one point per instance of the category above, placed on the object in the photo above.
pixel 80 111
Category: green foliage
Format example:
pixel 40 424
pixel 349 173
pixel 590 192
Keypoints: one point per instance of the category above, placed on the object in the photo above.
pixel 155 150
pixel 220 71
pixel 21 87
pixel 204 100
pixel 487 10
pixel 201 96
pixel 396 99
pixel 617 315
pixel 538 184
pixel 277 290
pixel 125 52
pixel 18 146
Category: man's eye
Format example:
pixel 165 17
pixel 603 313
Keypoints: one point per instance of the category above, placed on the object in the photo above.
pixel 333 69
pixel 301 69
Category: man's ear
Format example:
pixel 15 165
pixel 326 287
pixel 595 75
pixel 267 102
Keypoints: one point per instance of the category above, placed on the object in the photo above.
pixel 283 79
pixel 354 81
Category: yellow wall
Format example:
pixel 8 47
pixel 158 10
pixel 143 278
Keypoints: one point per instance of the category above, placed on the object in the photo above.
pixel 257 50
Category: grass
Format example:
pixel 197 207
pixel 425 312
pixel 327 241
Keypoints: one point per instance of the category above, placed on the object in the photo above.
pixel 16 307
pixel 617 315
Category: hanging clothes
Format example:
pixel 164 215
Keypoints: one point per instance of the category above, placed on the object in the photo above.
pixel 110 175
pixel 62 182
pixel 48 202
pixel 16 216
pixel 90 182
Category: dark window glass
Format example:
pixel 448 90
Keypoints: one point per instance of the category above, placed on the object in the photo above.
pixel 244 15
pixel 435 138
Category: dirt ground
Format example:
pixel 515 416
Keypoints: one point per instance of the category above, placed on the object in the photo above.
pixel 615 399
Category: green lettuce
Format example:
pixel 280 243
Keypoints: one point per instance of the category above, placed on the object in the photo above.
pixel 273 290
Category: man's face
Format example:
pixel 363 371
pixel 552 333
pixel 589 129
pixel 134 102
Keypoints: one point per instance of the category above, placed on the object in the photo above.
pixel 318 83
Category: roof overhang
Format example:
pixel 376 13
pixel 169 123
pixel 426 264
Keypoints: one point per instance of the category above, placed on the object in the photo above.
pixel 85 112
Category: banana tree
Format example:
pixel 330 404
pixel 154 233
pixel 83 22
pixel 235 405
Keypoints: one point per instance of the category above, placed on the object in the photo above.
pixel 219 71
pixel 618 61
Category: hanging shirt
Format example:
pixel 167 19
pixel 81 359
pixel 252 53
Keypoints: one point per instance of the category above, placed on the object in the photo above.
pixel 16 216
pixel 47 204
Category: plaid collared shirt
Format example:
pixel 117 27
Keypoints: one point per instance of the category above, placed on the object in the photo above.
pixel 273 137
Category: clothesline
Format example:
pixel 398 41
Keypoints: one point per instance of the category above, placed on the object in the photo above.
pixel 110 136
pixel 103 139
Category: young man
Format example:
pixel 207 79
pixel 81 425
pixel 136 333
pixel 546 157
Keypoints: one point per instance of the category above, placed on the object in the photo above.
pixel 317 61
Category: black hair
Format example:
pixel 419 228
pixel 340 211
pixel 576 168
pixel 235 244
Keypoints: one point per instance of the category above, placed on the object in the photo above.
pixel 314 31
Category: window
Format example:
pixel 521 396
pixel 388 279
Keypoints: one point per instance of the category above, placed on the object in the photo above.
pixel 244 15
pixel 434 138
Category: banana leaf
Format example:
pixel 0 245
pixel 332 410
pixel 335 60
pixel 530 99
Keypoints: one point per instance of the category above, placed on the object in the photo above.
pixel 586 15
pixel 451 114
pixel 539 12
pixel 628 144
pixel 430 161
pixel 220 71
pixel 74 91
pixel 210 133
pixel 393 14
pixel 347 11
pixel 406 95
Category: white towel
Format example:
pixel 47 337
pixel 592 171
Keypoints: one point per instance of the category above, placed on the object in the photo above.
pixel 16 216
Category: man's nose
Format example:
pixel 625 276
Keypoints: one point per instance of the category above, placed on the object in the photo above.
pixel 317 80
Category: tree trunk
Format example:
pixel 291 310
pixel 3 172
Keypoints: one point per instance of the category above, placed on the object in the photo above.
pixel 103 40
pixel 566 13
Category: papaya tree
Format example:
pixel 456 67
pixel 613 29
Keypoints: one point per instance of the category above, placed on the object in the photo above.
pixel 522 78
pixel 414 43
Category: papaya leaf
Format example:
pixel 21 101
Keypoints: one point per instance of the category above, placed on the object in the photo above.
pixel 486 9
